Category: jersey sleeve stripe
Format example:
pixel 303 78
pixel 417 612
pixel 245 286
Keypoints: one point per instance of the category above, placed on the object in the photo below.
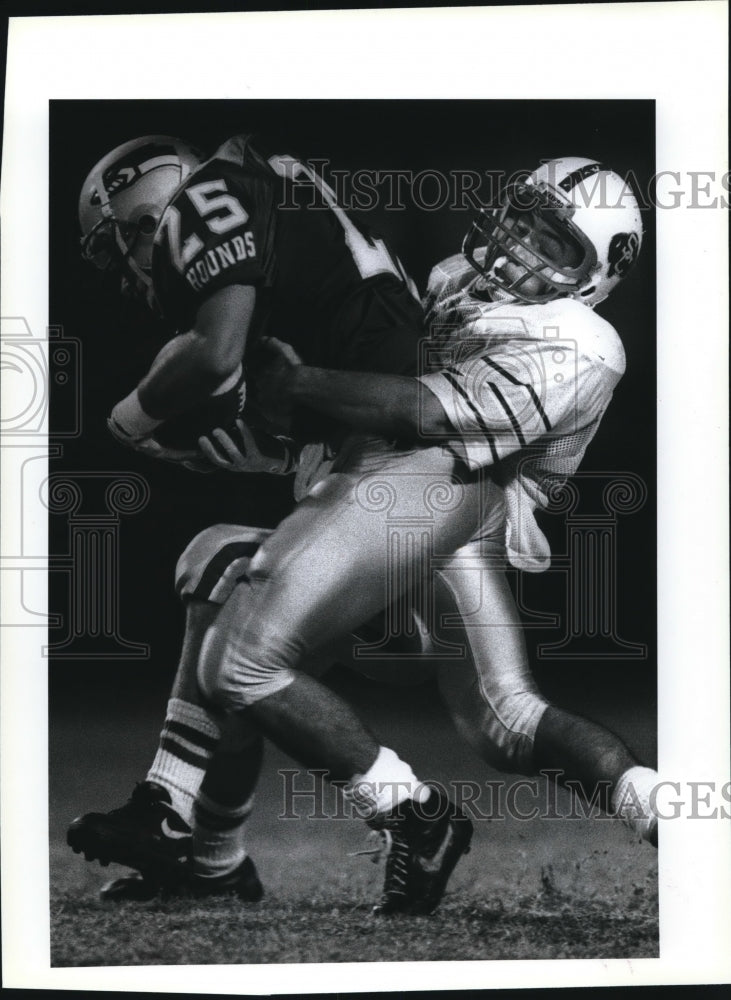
pixel 537 403
pixel 449 374
pixel 511 416
pixel 503 371
pixel 529 388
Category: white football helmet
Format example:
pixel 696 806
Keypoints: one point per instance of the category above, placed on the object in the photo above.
pixel 590 210
pixel 123 198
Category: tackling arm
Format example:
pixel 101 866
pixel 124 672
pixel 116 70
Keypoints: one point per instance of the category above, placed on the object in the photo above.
pixel 392 405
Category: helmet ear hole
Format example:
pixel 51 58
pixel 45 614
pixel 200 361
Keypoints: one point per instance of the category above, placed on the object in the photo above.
pixel 147 224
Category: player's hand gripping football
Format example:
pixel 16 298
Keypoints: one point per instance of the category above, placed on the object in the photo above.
pixel 125 431
pixel 246 449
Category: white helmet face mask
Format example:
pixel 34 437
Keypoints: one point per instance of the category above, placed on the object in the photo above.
pixel 122 200
pixel 571 229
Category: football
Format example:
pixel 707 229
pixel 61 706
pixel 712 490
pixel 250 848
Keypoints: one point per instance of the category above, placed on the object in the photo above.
pixel 220 409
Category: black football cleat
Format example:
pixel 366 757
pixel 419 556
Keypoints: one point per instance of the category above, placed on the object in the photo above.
pixel 130 888
pixel 146 834
pixel 423 844
pixel 243 882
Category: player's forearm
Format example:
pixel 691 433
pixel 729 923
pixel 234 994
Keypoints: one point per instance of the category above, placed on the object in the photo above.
pixel 392 405
pixel 184 372
pixel 180 377
pixel 192 365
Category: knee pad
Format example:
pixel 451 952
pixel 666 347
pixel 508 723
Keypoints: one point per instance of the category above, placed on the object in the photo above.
pixel 516 718
pixel 242 659
pixel 216 561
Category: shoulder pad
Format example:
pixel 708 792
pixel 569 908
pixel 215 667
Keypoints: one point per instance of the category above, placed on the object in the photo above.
pixel 594 336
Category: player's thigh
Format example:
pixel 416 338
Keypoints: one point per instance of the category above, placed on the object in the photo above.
pixel 355 542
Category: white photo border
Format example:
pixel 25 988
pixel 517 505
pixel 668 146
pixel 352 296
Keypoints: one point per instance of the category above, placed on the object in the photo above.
pixel 674 53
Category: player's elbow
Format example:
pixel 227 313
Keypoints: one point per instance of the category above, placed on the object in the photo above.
pixel 218 361
pixel 415 414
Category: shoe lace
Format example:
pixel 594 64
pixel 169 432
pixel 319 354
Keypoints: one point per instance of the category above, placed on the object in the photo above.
pixel 394 847
pixel 397 866
pixel 378 845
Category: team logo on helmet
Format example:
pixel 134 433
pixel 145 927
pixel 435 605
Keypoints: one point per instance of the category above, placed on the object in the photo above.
pixel 577 176
pixel 124 173
pixel 623 251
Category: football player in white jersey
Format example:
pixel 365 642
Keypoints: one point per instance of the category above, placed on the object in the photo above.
pixel 523 370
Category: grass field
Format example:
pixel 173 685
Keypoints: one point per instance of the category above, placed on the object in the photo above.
pixel 545 888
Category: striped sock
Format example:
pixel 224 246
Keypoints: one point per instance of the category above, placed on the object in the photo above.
pixel 218 836
pixel 187 742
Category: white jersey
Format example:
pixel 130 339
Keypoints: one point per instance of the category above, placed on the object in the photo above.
pixel 523 385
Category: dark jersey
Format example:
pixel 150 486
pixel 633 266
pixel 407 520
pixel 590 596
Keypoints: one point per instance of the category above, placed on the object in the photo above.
pixel 325 285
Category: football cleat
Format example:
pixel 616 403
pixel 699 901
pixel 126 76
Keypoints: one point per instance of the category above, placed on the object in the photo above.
pixel 130 888
pixel 243 882
pixel 423 844
pixel 146 834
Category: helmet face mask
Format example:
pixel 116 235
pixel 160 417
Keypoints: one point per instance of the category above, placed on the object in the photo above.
pixel 98 245
pixel 108 244
pixel 122 201
pixel 531 252
pixel 571 229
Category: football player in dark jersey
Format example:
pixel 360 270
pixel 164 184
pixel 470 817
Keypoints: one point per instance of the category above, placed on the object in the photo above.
pixel 233 247
pixel 230 248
